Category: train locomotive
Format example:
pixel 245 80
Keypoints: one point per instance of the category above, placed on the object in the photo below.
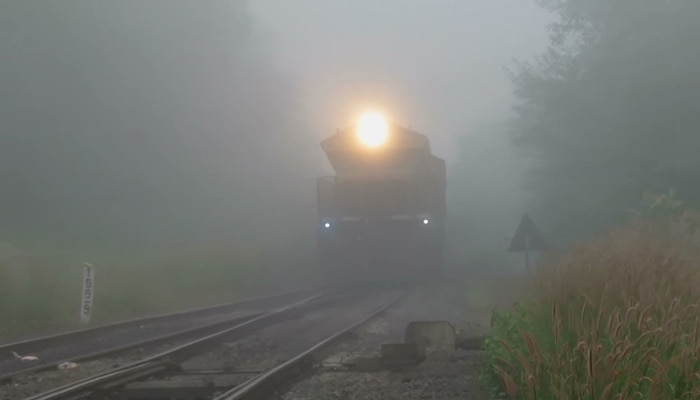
pixel 382 216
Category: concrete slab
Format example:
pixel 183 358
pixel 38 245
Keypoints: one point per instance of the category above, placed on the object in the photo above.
pixel 432 335
pixel 339 362
pixel 470 343
pixel 368 364
pixel 184 386
pixel 177 389
pixel 397 355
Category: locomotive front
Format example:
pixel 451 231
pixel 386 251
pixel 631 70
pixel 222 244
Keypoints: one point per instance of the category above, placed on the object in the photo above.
pixel 382 216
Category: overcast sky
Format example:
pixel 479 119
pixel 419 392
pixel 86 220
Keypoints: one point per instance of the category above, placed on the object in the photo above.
pixel 435 65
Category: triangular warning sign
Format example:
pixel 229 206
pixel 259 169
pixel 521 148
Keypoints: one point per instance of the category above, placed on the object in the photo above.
pixel 527 237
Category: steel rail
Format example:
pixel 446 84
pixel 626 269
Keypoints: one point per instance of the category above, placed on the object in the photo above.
pixel 199 330
pixel 167 359
pixel 43 342
pixel 266 382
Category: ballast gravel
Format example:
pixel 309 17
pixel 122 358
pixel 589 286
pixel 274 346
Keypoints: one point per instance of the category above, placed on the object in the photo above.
pixel 31 384
pixel 432 379
pixel 124 335
pixel 439 376
pixel 285 340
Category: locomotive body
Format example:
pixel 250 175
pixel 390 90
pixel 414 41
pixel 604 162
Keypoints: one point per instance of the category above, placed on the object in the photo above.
pixel 382 216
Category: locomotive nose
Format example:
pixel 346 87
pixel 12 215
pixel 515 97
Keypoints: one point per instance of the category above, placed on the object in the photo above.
pixel 383 212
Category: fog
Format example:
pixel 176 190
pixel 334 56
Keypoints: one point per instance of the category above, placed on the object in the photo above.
pixel 434 65
pixel 437 66
pixel 139 126
pixel 136 130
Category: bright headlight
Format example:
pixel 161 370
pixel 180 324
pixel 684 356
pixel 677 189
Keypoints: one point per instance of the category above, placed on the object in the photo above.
pixel 372 129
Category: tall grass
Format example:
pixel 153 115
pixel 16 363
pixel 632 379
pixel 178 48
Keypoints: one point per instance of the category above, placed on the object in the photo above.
pixel 43 291
pixel 617 318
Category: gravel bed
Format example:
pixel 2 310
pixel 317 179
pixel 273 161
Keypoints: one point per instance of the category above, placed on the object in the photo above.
pixel 263 350
pixel 440 376
pixel 113 339
pixel 280 342
pixel 432 379
pixel 30 384
pixel 122 336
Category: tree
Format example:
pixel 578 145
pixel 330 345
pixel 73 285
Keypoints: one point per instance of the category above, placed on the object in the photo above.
pixel 132 123
pixel 610 110
pixel 484 201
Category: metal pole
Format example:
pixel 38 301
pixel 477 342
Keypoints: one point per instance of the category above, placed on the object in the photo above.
pixel 527 255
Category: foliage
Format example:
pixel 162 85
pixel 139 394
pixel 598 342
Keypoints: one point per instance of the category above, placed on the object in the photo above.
pixel 618 317
pixel 484 208
pixel 609 111
pixel 129 126
pixel 661 205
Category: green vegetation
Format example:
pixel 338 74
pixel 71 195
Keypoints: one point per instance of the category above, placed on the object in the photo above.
pixel 37 292
pixel 606 114
pixel 609 111
pixel 617 317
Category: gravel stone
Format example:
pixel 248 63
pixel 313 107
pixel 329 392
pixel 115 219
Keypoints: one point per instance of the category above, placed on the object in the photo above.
pixel 429 380
pixel 280 342
pixel 283 341
pixel 125 335
pixel 440 376
pixel 29 384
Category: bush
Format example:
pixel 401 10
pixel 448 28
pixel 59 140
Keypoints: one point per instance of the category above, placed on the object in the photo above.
pixel 615 318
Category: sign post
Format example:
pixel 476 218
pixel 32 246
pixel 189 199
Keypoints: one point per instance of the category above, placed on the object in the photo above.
pixel 527 254
pixel 88 293
pixel 526 239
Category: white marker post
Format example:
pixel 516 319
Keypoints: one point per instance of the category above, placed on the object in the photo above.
pixel 88 293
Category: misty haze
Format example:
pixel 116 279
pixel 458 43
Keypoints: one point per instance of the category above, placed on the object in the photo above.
pixel 175 146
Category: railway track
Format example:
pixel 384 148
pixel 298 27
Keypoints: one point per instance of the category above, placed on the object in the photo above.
pixel 246 360
pixel 104 340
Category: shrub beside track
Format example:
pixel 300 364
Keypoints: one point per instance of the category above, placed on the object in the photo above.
pixel 616 318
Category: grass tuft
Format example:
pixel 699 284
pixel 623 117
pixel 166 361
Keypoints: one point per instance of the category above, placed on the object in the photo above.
pixel 43 292
pixel 616 318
